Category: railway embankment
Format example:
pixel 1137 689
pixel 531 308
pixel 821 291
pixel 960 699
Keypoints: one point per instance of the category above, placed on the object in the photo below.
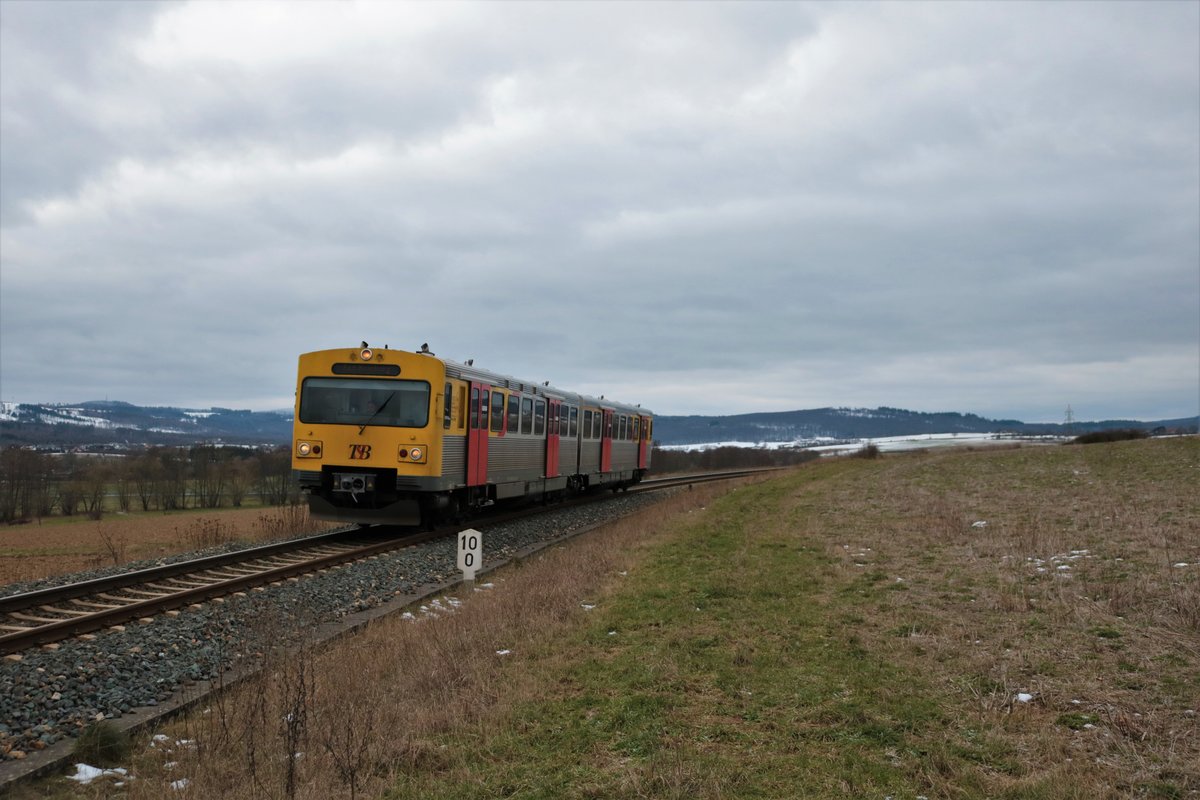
pixel 969 624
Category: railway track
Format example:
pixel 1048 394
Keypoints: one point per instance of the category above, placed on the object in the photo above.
pixel 702 477
pixel 50 615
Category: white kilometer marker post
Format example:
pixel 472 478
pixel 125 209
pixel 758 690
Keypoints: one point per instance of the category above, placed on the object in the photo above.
pixel 470 553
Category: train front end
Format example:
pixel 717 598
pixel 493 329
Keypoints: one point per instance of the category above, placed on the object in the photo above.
pixel 366 441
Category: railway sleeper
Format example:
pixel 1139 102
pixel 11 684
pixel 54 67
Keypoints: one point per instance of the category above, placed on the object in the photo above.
pixel 70 612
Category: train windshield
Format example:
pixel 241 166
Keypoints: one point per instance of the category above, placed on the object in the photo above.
pixel 364 401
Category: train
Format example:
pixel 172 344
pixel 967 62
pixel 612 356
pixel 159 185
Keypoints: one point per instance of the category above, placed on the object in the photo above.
pixel 400 437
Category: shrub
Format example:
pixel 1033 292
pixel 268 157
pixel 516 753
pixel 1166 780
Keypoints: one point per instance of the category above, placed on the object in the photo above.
pixel 1114 435
pixel 868 451
pixel 102 744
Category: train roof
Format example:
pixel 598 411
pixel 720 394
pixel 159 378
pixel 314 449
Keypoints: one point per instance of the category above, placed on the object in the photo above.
pixel 471 372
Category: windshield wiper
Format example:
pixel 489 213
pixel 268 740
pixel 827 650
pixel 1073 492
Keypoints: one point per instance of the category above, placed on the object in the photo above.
pixel 375 413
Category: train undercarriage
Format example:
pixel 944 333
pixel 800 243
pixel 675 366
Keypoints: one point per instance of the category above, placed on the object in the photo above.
pixel 368 496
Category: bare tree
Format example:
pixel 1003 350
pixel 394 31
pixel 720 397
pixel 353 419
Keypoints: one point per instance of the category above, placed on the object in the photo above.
pixel 173 479
pixel 94 474
pixel 241 474
pixel 122 477
pixel 144 472
pixel 275 476
pixel 208 474
pixel 68 490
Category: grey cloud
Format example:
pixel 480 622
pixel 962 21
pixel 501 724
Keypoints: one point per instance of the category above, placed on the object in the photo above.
pixel 689 198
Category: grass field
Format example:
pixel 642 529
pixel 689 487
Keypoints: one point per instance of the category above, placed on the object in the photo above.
pixel 58 545
pixel 1018 623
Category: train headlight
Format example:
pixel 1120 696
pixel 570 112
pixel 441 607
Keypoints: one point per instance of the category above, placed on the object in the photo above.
pixel 414 454
pixel 366 354
pixel 308 449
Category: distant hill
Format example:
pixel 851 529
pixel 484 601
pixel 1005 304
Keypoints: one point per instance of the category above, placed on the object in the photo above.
pixel 117 423
pixel 865 423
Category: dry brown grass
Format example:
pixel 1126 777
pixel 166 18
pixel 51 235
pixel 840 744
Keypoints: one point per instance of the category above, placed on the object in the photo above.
pixel 33 551
pixel 1062 585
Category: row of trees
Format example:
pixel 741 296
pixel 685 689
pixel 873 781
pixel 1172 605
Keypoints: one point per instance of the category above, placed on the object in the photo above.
pixel 35 485
pixel 664 462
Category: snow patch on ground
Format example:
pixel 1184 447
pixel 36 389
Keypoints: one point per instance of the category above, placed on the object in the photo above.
pixel 829 446
pixel 85 773
pixel 73 416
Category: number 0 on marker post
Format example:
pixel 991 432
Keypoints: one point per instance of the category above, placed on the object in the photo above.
pixel 470 552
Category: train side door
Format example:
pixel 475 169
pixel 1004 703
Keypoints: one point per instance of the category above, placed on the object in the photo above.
pixel 606 432
pixel 477 435
pixel 552 437
pixel 643 434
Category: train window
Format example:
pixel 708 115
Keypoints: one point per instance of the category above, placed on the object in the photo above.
pixel 474 408
pixel 574 429
pixel 539 418
pixel 597 422
pixel 365 401
pixel 562 420
pixel 526 415
pixel 484 405
pixel 514 412
pixel 637 429
pixel 587 423
pixel 608 426
pixel 497 411
pixel 624 428
pixel 448 396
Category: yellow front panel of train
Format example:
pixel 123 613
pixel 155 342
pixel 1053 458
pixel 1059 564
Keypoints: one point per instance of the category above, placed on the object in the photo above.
pixel 369 408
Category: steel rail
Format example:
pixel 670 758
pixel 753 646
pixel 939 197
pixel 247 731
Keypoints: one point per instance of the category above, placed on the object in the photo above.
pixel 20 602
pixel 55 631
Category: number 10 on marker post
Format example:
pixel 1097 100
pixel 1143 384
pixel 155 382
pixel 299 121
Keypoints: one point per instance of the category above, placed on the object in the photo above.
pixel 470 552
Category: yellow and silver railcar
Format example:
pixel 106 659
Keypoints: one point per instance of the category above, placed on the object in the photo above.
pixel 407 438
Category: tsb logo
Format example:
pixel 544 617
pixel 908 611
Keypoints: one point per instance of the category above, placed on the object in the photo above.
pixel 360 452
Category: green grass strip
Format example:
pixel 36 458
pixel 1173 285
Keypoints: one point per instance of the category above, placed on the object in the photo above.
pixel 723 668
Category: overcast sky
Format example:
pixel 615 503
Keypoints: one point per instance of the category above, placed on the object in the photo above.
pixel 709 208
